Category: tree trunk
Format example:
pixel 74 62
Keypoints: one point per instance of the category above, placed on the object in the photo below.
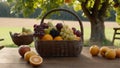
pixel 96 17
pixel 97 31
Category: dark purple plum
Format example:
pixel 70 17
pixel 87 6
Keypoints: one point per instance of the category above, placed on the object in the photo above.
pixel 74 30
pixel 54 33
pixel 78 33
pixel 59 26
pixel 44 25
pixel 35 25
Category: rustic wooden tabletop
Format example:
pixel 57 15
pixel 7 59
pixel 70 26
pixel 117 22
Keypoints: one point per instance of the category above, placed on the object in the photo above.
pixel 10 58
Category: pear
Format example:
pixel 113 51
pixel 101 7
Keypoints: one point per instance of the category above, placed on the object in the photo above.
pixel 23 29
pixel 27 31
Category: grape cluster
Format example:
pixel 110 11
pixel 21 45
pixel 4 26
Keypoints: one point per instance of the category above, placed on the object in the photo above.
pixel 39 30
pixel 59 26
pixel 44 25
pixel 76 32
pixel 67 33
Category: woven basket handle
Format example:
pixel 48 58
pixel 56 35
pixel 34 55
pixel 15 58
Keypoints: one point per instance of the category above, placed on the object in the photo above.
pixel 75 15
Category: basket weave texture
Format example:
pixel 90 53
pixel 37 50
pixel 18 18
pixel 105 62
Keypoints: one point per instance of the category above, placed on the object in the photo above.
pixel 60 48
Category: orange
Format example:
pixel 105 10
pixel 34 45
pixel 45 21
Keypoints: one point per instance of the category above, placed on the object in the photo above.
pixel 94 50
pixel 47 37
pixel 35 60
pixel 58 38
pixel 103 50
pixel 110 54
pixel 118 52
pixel 77 38
pixel 28 54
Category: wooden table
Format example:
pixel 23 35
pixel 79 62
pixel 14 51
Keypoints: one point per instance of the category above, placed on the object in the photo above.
pixel 10 58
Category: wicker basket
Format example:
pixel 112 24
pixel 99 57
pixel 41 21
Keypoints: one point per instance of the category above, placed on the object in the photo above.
pixel 59 48
pixel 22 40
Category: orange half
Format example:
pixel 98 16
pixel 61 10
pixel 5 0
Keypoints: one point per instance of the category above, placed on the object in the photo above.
pixel 35 60
pixel 28 54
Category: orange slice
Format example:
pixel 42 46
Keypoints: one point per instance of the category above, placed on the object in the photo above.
pixel 28 54
pixel 35 60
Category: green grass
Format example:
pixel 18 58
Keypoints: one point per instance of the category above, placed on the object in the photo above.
pixel 8 41
pixel 109 35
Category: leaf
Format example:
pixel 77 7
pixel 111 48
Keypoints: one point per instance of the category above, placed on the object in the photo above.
pixel 77 6
pixel 110 1
pixel 118 15
pixel 83 15
pixel 118 19
pixel 81 0
pixel 90 4
pixel 107 13
pixel 10 0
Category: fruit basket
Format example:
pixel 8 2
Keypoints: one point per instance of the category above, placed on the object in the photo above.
pixel 61 48
pixel 21 39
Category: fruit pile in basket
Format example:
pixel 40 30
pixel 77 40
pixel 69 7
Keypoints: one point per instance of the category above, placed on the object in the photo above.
pixel 25 31
pixel 60 31
pixel 22 38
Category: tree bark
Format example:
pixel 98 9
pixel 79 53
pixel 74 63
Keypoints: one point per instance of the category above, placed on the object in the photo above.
pixel 97 31
pixel 96 17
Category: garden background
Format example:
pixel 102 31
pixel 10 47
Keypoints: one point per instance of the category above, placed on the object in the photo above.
pixel 14 23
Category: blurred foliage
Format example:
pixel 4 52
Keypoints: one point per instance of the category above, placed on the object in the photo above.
pixel 100 7
pixel 5 9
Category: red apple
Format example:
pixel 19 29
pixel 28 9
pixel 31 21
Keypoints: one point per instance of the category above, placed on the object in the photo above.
pixel 23 49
